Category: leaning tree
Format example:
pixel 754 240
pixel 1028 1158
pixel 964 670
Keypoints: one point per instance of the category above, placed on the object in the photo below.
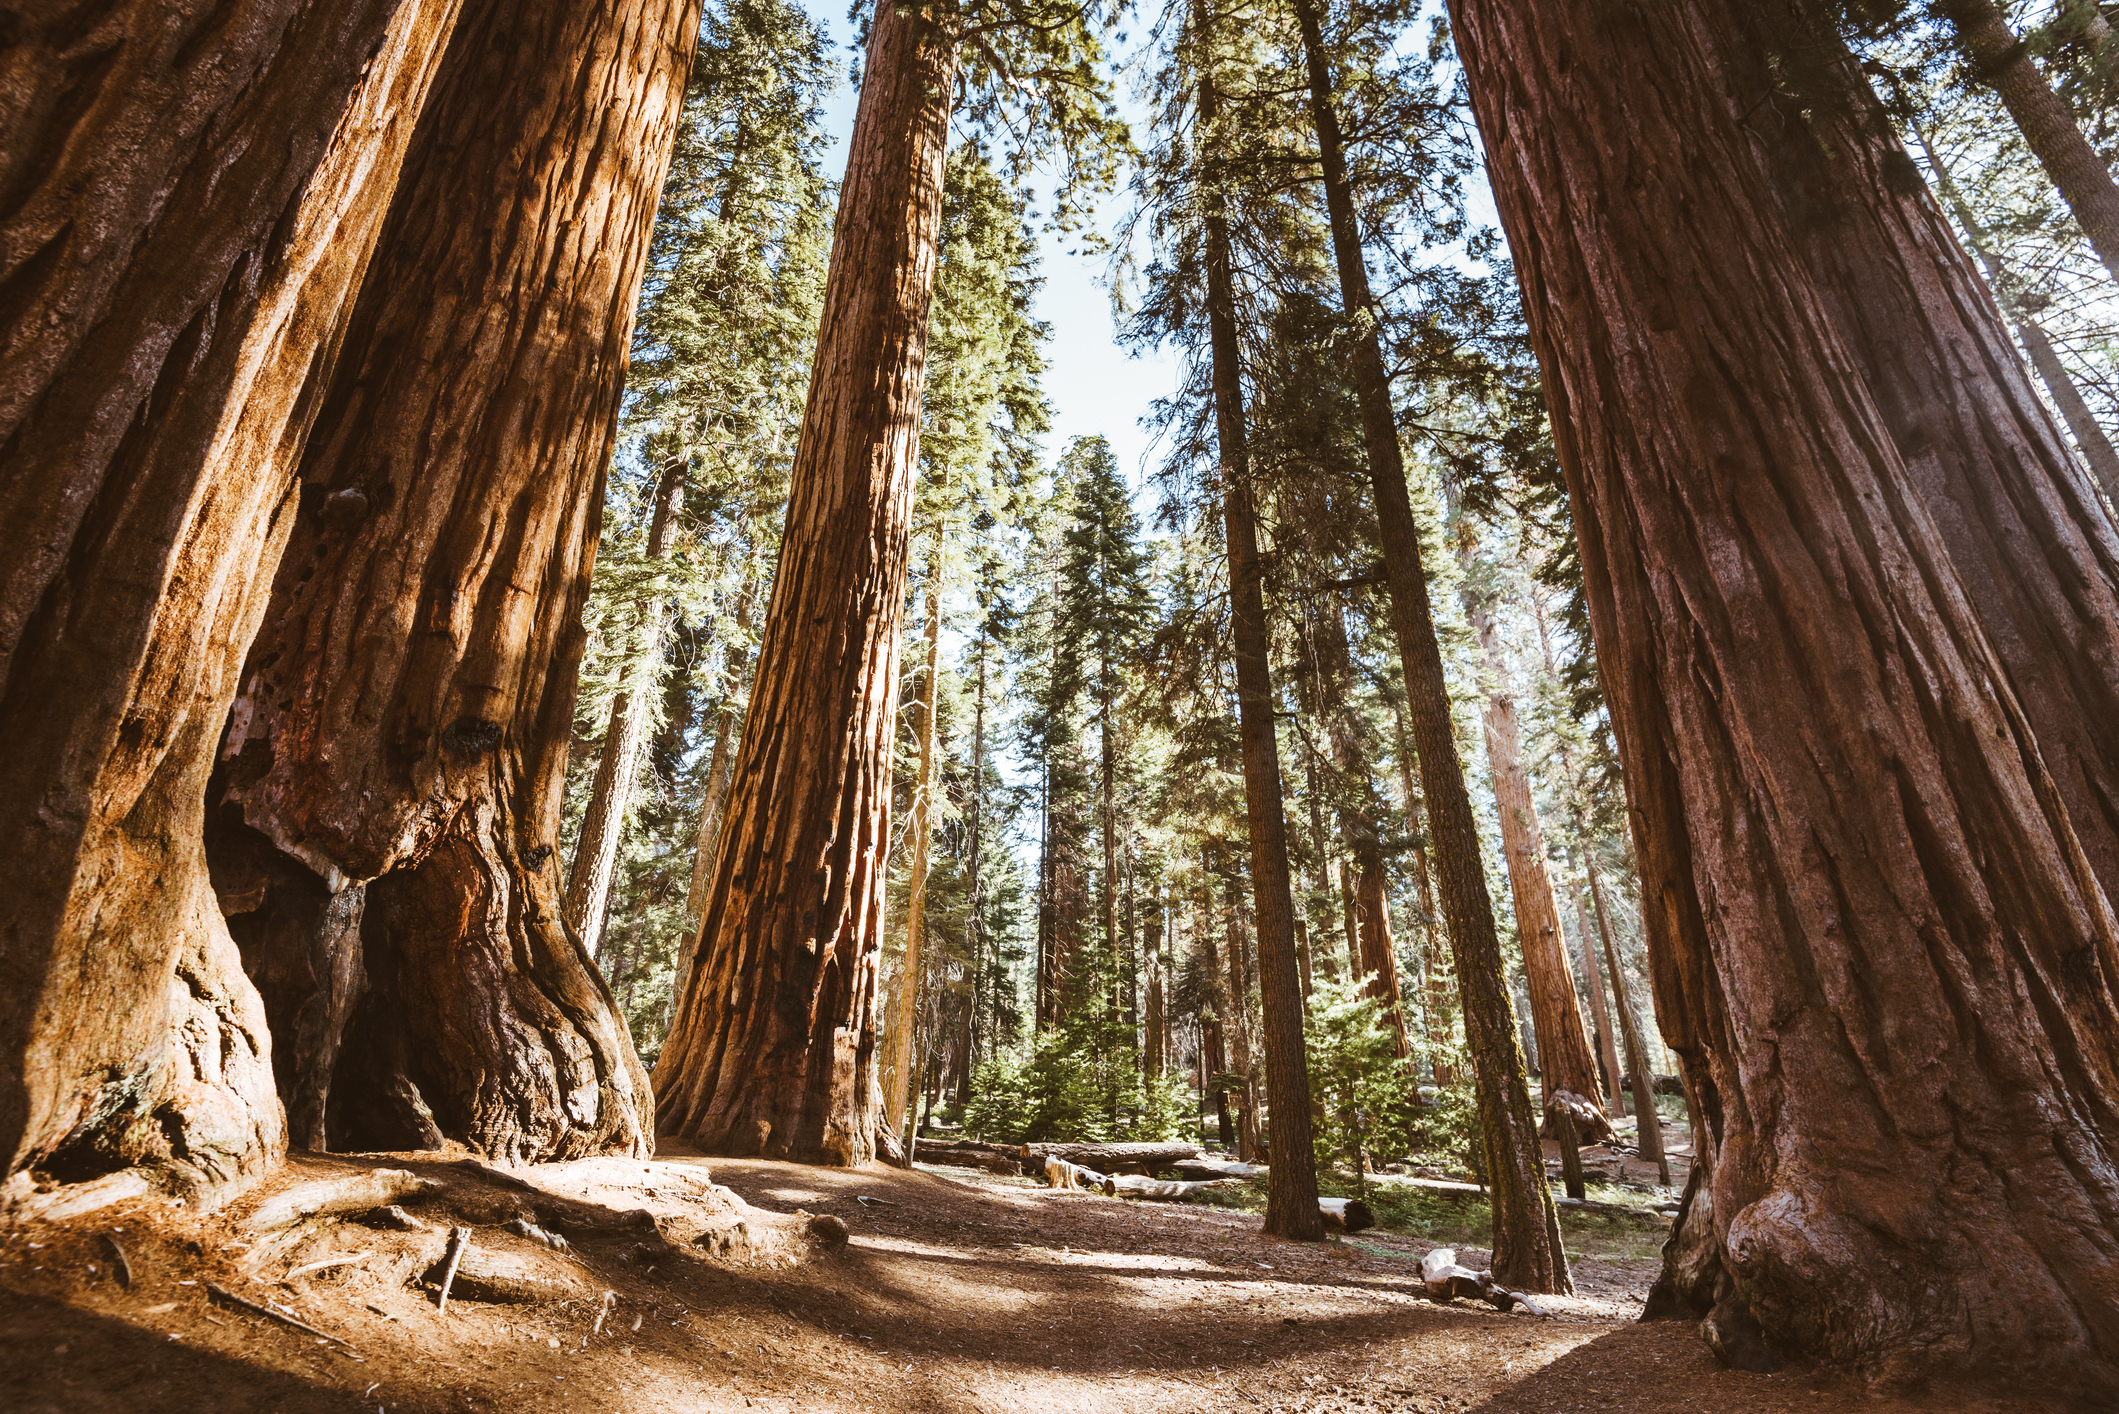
pixel 1853 606
pixel 772 1049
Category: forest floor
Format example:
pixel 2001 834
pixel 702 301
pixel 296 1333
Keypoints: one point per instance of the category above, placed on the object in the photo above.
pixel 956 1292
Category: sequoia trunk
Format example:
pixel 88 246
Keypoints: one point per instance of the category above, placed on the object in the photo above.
pixel 190 211
pixel 773 1047
pixel 1291 1199
pixel 1527 1251
pixel 1852 609
pixel 388 797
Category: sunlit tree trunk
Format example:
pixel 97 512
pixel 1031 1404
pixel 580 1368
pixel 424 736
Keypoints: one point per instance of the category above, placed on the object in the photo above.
pixel 399 749
pixel 1527 1250
pixel 588 896
pixel 1379 951
pixel 1607 1047
pixel 189 208
pixel 1852 610
pixel 922 828
pixel 773 1048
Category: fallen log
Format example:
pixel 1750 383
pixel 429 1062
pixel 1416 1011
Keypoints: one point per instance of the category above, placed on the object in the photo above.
pixel 1204 1167
pixel 1446 1282
pixel 1346 1214
pixel 1106 1157
pixel 1061 1174
pixel 1160 1190
pixel 972 1154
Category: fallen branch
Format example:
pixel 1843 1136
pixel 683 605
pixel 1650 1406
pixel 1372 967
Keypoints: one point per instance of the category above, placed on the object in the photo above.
pixel 326 1264
pixel 1161 1190
pixel 221 1293
pixel 1061 1174
pixel 123 1264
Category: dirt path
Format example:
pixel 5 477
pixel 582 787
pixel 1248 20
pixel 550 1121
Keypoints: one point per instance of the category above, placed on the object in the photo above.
pixel 956 1293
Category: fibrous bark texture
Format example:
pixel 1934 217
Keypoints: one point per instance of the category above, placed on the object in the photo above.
pixel 191 196
pixel 1852 608
pixel 403 719
pixel 773 1047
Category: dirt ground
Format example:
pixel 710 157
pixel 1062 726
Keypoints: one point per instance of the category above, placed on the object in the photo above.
pixel 956 1292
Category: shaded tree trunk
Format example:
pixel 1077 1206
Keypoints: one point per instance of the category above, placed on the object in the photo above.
pixel 1816 499
pixel 773 1048
pixel 1291 1200
pixel 1527 1251
pixel 905 1048
pixel 1566 1065
pixel 400 740
pixel 2004 63
pixel 189 213
pixel 588 896
pixel 1607 1048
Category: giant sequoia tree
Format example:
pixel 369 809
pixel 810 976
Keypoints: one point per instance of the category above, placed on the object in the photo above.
pixel 188 215
pixel 773 1046
pixel 1854 610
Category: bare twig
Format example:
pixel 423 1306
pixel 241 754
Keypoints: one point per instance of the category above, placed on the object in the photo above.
pixel 117 1255
pixel 307 1268
pixel 610 1299
pixel 459 1238
pixel 221 1293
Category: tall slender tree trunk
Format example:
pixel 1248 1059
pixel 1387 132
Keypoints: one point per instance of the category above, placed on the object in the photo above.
pixel 1527 1250
pixel 1215 1038
pixel 1567 1068
pixel 1350 909
pixel 1291 1200
pixel 904 1049
pixel 1435 1004
pixel 1839 721
pixel 390 786
pixel 1638 1070
pixel 1607 1047
pixel 2003 62
pixel 774 1044
pixel 588 896
pixel 974 863
pixel 189 213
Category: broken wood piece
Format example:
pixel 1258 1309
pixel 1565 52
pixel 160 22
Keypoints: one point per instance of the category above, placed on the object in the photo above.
pixel 1347 1214
pixel 395 1218
pixel 610 1299
pixel 306 1268
pixel 331 1197
pixel 523 1227
pixel 220 1293
pixel 459 1238
pixel 121 1264
pixel 1446 1281
pixel 1061 1174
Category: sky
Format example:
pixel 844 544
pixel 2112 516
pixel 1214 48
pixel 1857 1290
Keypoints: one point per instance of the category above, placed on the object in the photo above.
pixel 1093 385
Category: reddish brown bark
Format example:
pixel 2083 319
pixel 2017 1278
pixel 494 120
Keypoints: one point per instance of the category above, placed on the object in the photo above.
pixel 1851 602
pixel 773 1047
pixel 1527 1249
pixel 1379 952
pixel 191 198
pixel 1567 1068
pixel 400 742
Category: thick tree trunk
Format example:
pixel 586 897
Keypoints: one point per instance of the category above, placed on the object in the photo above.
pixel 1527 1250
pixel 1566 1065
pixel 400 739
pixel 1291 1199
pixel 188 214
pixel 903 1044
pixel 1786 438
pixel 588 896
pixel 2049 129
pixel 773 1048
